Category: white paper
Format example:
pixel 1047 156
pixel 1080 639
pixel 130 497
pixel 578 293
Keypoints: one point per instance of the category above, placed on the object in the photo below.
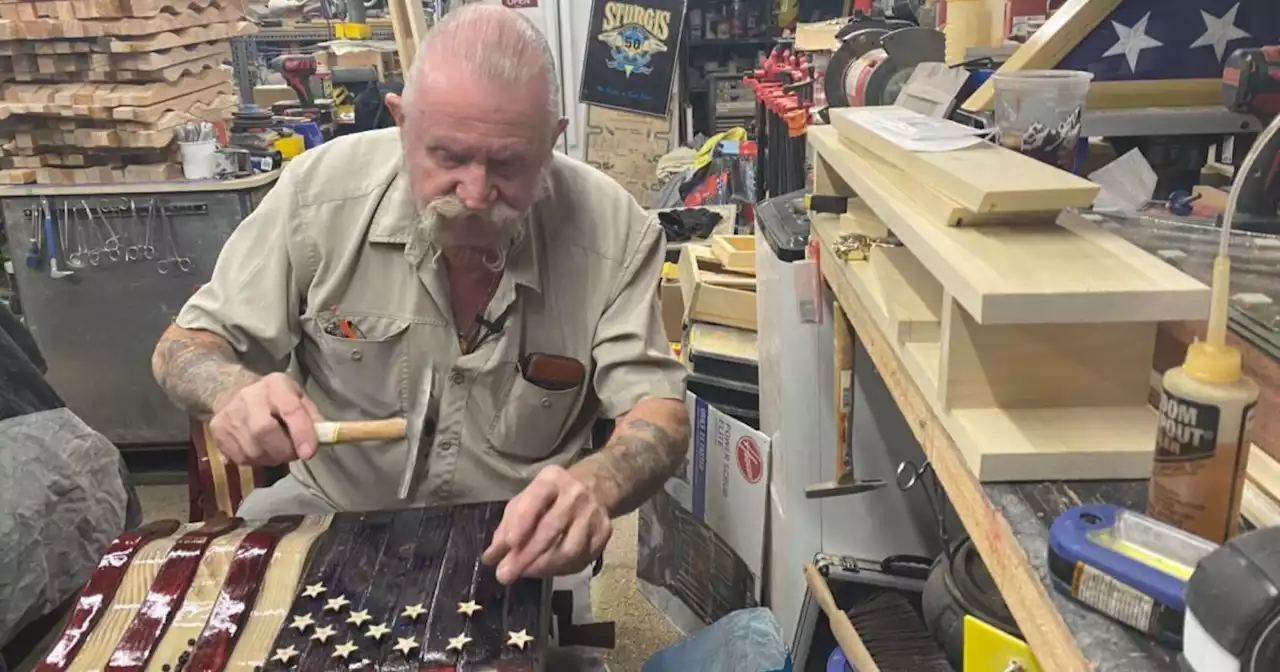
pixel 932 89
pixel 1127 184
pixel 915 132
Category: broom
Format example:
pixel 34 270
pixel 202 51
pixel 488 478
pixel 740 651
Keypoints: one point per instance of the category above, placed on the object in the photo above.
pixel 882 634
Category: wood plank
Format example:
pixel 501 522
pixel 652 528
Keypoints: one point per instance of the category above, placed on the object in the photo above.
pixel 911 298
pixel 1025 273
pixel 1044 365
pixel 1010 569
pixel 124 102
pixel 1049 45
pixel 53 29
pixel 983 179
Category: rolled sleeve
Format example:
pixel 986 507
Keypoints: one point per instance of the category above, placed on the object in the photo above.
pixel 632 355
pixel 253 299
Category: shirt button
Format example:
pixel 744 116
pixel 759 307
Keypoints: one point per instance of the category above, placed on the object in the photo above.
pixel 458 378
pixel 446 445
pixel 356 355
pixel 546 403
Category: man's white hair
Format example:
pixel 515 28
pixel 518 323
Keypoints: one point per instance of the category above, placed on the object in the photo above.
pixel 497 44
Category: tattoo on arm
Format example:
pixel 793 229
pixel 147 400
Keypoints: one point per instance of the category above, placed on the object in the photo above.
pixel 639 458
pixel 198 369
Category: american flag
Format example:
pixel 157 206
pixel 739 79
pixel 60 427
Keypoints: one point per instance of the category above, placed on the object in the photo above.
pixel 1173 39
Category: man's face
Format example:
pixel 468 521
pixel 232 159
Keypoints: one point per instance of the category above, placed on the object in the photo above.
pixel 475 156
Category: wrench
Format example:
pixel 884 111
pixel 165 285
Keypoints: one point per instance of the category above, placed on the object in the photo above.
pixel 51 236
pixel 178 261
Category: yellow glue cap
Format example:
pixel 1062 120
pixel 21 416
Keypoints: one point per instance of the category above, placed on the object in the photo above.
pixel 1210 363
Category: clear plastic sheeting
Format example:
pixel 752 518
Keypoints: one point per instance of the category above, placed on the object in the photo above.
pixel 62 504
pixel 747 640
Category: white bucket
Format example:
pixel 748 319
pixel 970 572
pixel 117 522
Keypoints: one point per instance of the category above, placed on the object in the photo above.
pixel 198 159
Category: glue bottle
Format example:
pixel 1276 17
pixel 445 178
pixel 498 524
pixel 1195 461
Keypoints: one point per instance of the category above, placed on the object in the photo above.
pixel 1206 405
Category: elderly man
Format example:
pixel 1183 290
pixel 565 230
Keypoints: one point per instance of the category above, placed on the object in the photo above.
pixel 461 242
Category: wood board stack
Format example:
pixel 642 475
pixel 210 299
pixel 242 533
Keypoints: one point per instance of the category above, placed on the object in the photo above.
pixel 92 91
pixel 1030 333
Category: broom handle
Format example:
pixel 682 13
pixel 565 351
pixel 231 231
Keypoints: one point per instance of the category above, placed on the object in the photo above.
pixel 841 626
pixel 352 431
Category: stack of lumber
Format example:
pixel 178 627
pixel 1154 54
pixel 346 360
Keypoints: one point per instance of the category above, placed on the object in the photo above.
pixel 92 90
pixel 1030 330
pixel 718 284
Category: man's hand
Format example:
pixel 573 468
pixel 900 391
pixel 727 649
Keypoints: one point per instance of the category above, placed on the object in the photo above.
pixel 553 528
pixel 266 423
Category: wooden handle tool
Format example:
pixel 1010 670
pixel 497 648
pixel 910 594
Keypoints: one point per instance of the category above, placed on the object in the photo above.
pixel 350 431
pixel 841 626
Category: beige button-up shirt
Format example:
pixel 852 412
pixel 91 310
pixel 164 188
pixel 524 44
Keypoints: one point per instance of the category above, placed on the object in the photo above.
pixel 337 234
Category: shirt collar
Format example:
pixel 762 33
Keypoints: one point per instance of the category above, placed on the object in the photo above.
pixel 395 223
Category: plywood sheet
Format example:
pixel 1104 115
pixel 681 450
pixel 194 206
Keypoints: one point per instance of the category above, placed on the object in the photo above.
pixel 984 178
pixel 1071 272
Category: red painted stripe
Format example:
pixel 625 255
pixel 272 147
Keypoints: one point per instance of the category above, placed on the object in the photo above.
pixel 239 590
pixel 165 596
pixel 233 483
pixel 100 591
pixel 208 501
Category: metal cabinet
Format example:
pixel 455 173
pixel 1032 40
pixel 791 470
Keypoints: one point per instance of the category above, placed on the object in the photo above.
pixel 98 326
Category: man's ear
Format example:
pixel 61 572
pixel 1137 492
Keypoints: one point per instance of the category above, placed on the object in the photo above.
pixel 396 104
pixel 561 127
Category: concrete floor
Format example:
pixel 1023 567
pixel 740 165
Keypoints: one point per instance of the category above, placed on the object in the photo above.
pixel 641 629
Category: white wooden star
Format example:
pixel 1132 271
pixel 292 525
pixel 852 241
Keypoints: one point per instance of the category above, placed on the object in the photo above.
pixel 413 611
pixel 323 634
pixel 302 622
pixel 519 639
pixel 469 608
pixel 357 618
pixel 1220 32
pixel 405 645
pixel 337 603
pixel 456 643
pixel 284 655
pixel 313 590
pixel 377 631
pixel 1132 41
pixel 344 650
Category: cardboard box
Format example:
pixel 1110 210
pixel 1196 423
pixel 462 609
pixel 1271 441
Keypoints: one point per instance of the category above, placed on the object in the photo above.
pixel 701 539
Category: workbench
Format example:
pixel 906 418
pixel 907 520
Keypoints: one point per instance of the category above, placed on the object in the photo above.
pixel 1007 521
pixel 97 328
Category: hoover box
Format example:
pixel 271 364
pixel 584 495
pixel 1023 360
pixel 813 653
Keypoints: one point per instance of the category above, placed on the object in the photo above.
pixel 700 552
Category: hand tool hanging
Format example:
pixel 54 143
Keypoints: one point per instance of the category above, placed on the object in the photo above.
pixel 51 239
pixel 66 231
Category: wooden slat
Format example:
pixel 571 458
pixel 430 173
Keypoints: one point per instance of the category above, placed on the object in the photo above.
pixel 1026 273
pixel 983 178
pixel 1050 43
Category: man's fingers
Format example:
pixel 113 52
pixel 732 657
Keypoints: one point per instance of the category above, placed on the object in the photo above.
pixel 571 555
pixel 296 419
pixel 523 513
pixel 548 532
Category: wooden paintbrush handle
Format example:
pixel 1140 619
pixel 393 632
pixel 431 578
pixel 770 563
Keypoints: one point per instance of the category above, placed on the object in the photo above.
pixel 841 626
pixel 352 431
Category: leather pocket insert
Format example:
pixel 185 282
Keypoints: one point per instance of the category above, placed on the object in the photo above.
pixel 553 373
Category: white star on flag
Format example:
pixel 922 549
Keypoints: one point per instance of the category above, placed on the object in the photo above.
pixel 1219 32
pixel 1132 41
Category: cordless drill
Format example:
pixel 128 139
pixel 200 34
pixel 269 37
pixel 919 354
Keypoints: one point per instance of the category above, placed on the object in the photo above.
pixel 297 71
pixel 1251 84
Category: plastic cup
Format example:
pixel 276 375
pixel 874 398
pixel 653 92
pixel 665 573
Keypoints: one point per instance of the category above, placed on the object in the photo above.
pixel 198 159
pixel 1038 112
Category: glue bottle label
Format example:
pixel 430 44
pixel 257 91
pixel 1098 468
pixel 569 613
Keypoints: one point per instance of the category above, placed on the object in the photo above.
pixel 1187 431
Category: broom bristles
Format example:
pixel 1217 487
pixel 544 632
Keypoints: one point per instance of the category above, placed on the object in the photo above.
pixel 895 637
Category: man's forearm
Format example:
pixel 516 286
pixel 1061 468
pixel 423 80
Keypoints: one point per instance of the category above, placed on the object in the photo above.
pixel 198 370
pixel 645 450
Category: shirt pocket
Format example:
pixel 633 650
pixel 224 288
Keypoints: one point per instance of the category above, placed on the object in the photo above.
pixel 530 420
pixel 367 375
